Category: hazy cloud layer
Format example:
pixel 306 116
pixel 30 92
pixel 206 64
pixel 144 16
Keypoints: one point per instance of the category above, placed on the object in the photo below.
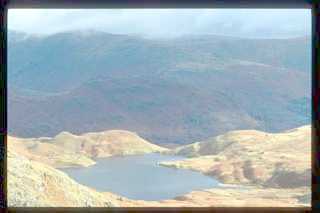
pixel 166 22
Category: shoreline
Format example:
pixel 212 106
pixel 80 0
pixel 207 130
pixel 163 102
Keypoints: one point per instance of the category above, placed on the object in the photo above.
pixel 240 162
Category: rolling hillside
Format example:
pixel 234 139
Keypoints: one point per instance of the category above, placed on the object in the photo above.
pixel 68 150
pixel 168 91
pixel 280 160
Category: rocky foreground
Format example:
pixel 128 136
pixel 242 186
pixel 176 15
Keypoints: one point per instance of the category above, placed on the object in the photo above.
pixel 35 184
pixel 270 169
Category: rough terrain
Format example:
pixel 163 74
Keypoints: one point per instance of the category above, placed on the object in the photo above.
pixel 271 170
pixel 67 150
pixel 252 157
pixel 34 184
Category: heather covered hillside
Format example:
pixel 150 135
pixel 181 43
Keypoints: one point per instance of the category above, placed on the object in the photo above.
pixel 178 90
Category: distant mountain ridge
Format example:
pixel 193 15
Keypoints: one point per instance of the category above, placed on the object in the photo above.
pixel 168 91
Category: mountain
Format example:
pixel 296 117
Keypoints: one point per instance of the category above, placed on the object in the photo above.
pixel 279 160
pixel 168 91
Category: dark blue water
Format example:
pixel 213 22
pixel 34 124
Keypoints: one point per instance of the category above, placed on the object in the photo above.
pixel 139 177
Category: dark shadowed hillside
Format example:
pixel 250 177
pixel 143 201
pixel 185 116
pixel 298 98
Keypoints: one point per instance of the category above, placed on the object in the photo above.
pixel 169 91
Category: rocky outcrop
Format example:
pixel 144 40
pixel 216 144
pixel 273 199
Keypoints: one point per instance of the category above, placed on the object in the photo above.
pixel 252 157
pixel 68 150
pixel 273 170
pixel 35 184
pixel 48 153
pixel 282 178
pixel 105 144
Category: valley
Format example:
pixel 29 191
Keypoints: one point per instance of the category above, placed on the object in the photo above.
pixel 115 120
pixel 253 168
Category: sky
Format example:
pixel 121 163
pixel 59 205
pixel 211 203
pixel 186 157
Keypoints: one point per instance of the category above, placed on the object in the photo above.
pixel 166 23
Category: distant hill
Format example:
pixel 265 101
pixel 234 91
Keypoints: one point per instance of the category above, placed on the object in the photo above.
pixel 168 91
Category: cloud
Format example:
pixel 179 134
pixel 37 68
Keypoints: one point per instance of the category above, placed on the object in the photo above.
pixel 165 22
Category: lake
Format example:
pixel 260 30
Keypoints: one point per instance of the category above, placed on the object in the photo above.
pixel 139 177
